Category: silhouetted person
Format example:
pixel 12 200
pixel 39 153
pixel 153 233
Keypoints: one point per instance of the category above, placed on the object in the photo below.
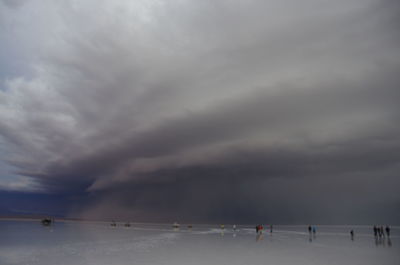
pixel 270 229
pixel 257 228
pixel 375 231
pixel 382 232
pixel 387 231
pixel 379 232
pixel 309 229
pixel 352 234
pixel 314 231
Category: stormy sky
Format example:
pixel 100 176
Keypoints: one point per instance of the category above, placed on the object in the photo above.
pixel 201 111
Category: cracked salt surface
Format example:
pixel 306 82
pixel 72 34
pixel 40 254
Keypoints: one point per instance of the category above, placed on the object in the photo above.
pixel 24 243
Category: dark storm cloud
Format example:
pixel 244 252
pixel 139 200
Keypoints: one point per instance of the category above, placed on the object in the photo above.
pixel 282 114
pixel 207 110
pixel 276 185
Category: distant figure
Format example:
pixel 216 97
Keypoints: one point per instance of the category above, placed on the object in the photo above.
pixel 352 235
pixel 387 231
pixel 46 221
pixel 259 229
pixel 309 229
pixel 375 231
pixel 176 226
pixel 222 227
pixel 234 227
pixel 270 229
pixel 314 230
pixel 380 231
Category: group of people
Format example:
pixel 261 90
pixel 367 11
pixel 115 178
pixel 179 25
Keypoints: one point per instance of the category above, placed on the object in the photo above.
pixel 312 229
pixel 380 232
pixel 380 238
pixel 260 228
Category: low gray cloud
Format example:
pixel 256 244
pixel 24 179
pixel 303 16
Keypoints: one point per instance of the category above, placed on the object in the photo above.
pixel 206 111
pixel 13 3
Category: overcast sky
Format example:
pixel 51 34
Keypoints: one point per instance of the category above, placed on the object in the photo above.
pixel 201 111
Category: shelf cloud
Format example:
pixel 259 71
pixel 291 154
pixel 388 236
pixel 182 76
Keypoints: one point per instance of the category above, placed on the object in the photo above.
pixel 203 110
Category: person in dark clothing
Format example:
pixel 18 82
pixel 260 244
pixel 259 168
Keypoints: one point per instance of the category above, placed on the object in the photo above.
pixel 309 229
pixel 270 229
pixel 375 231
pixel 382 232
pixel 352 234
pixel 388 231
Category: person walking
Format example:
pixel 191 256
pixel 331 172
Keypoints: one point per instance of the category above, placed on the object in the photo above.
pixel 352 235
pixel 387 231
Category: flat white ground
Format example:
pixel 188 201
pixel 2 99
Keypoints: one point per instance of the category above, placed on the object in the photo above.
pixel 99 243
